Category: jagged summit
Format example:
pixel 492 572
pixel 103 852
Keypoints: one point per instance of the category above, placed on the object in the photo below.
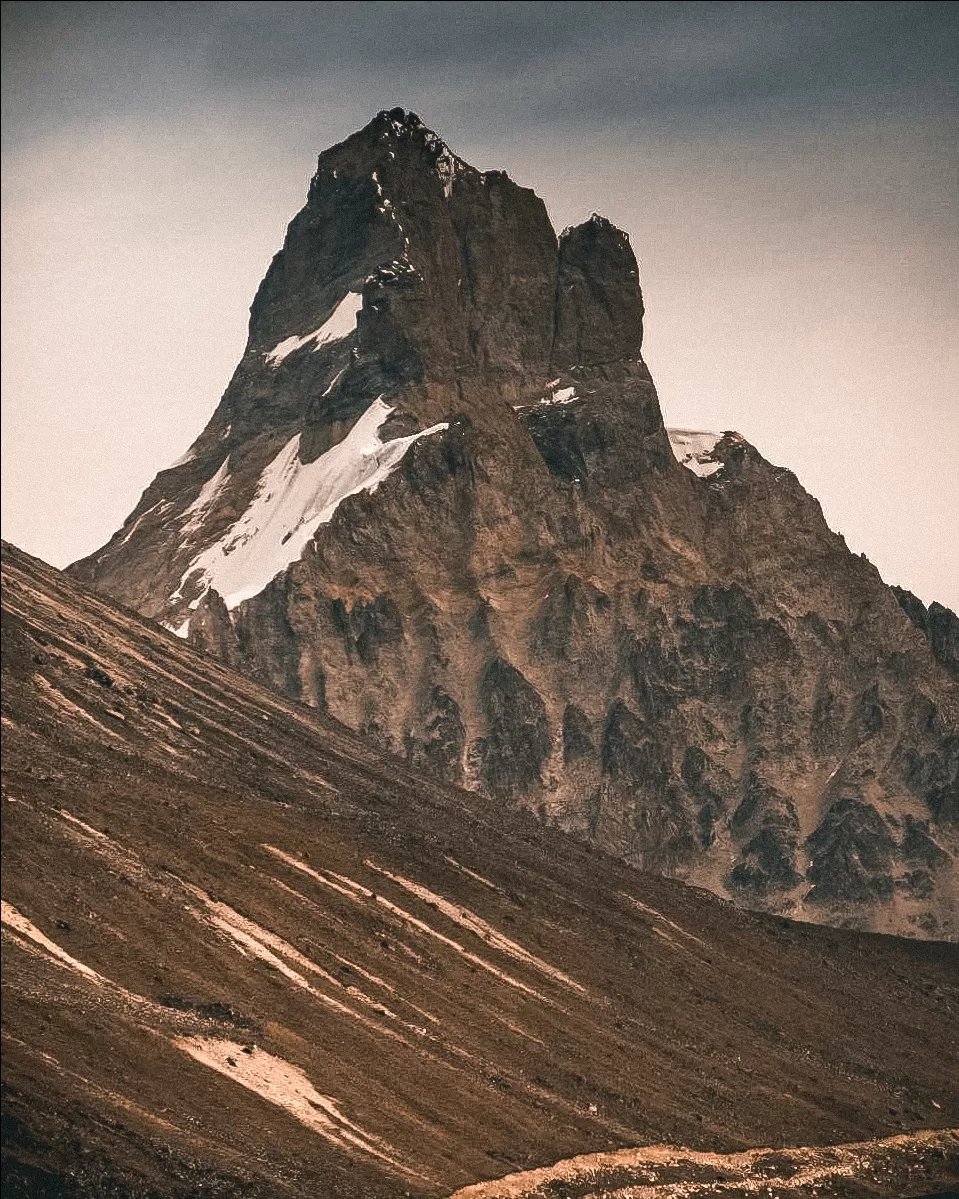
pixel 397 135
pixel 450 270
pixel 400 120
pixel 438 500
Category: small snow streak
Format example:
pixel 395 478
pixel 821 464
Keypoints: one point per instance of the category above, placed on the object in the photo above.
pixel 158 507
pixel 196 512
pixel 555 395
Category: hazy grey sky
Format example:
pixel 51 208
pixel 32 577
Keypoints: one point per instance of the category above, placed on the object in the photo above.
pixel 787 173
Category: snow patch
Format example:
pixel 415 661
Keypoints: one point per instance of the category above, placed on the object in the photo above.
pixel 291 501
pixel 694 448
pixel 340 324
pixel 208 493
pixel 565 395
pixel 555 395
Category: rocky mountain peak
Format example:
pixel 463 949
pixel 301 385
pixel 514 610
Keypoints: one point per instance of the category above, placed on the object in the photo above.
pixel 438 501
pixel 451 271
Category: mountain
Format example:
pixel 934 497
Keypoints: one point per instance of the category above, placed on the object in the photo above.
pixel 438 502
pixel 246 953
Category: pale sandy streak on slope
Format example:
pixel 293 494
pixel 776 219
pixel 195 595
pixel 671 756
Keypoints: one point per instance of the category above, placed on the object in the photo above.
pixel 122 634
pixel 472 874
pixel 247 936
pixel 104 1093
pixel 377 981
pixel 358 893
pixel 121 857
pixel 287 1086
pixel 55 698
pixel 15 919
pixel 479 927
pixel 272 1078
pixel 252 938
pixel 22 932
pixel 642 907
pixel 350 964
pixel 813 1166
pixel 245 933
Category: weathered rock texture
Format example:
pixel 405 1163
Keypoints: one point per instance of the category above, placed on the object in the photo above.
pixel 537 598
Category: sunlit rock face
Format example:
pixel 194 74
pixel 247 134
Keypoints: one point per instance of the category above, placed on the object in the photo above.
pixel 438 501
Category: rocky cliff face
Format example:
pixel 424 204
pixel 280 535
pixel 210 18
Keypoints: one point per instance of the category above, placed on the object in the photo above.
pixel 438 501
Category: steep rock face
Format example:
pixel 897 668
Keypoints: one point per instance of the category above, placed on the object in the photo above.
pixel 938 623
pixel 438 501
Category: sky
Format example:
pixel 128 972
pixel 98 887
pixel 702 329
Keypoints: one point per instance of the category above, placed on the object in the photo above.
pixel 787 173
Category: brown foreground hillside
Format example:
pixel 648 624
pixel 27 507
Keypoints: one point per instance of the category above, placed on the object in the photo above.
pixel 246 953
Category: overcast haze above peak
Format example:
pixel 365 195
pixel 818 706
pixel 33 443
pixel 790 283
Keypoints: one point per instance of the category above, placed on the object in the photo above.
pixel 787 174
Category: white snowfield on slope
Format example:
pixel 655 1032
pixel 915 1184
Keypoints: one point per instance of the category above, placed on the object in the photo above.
pixel 694 449
pixel 340 324
pixel 291 501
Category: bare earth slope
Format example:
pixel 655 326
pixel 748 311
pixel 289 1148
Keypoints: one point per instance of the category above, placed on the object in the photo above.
pixel 247 953
pixel 438 501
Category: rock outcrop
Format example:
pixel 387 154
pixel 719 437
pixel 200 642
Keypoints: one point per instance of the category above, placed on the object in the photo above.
pixel 438 501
